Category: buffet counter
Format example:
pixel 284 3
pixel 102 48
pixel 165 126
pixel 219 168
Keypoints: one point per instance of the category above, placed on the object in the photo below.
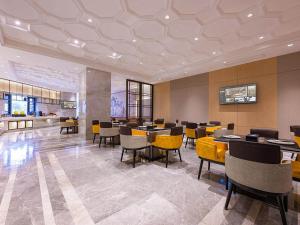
pixel 27 122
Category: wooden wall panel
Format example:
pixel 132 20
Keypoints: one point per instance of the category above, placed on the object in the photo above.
pixel 162 101
pixel 263 113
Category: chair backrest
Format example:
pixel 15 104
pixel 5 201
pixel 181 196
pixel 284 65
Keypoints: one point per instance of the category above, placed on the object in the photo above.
pixel 297 131
pixel 183 123
pixel 105 124
pixel 216 123
pixel 95 122
pixel 202 124
pixel 125 130
pixel 267 133
pixel 175 131
pixel 258 166
pixel 294 127
pixel 132 124
pixel 170 125
pixel 63 119
pixel 159 121
pixel 256 152
pixel 230 126
pixel 201 132
pixel 191 125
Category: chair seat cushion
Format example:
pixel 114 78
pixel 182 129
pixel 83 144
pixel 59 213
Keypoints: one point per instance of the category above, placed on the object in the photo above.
pixel 168 142
pixel 296 169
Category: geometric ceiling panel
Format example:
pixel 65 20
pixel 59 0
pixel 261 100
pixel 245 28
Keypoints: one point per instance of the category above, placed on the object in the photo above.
pixel 115 31
pixel 49 32
pixel 81 32
pixel 184 29
pixel 18 9
pixel 65 9
pixel 150 29
pixel 221 27
pixel 154 38
pixel 258 26
pixel 103 8
pixel 233 6
pixel 146 7
pixel 190 6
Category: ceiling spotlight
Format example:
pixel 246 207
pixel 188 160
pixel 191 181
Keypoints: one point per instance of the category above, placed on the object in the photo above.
pixel 249 15
pixel 196 38
pixel 167 17
pixel 261 37
pixel 290 45
pixel 90 20
pixel 18 56
pixel 115 55
pixel 224 62
pixel 185 72
pixel 141 63
pixel 214 53
pixel 134 40
pixel 17 22
pixel 75 43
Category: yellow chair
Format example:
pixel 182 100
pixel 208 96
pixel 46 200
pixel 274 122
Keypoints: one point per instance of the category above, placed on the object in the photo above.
pixel 170 142
pixel 296 163
pixel 211 130
pixel 159 123
pixel 209 150
pixel 190 132
pixel 136 132
pixel 95 129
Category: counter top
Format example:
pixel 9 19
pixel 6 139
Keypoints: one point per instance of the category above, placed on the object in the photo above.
pixel 28 118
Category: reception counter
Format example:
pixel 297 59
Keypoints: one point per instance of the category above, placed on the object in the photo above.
pixel 27 122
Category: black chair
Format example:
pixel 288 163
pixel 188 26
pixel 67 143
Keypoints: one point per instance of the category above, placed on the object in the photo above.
pixel 183 123
pixel 202 124
pixel 200 132
pixel 216 123
pixel 108 131
pixel 266 133
pixel 230 126
pixel 190 132
pixel 170 125
pixel 256 170
pixel 132 124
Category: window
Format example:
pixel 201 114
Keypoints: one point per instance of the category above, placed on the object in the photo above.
pixel 31 105
pixel 7 104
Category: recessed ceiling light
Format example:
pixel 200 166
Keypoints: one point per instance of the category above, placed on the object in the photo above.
pixel 261 37
pixel 196 38
pixel 214 53
pixel 6 72
pixel 17 24
pixel 290 45
pixel 224 62
pixel 249 15
pixel 134 40
pixel 75 43
pixel 90 20
pixel 141 63
pixel 115 55
pixel 185 72
pixel 18 56
pixel 167 17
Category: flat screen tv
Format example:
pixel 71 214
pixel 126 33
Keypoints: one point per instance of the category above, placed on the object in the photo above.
pixel 239 94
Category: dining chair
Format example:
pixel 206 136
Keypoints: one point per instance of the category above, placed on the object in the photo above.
pixel 65 124
pixel 159 123
pixel 190 132
pixel 230 126
pixel 266 133
pixel 216 123
pixel 202 124
pixel 256 168
pixel 132 142
pixel 95 129
pixel 296 162
pixel 201 132
pixel 171 142
pixel 169 125
pixel 132 124
pixel 108 131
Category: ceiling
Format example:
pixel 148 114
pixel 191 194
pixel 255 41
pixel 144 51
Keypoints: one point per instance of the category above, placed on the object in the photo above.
pixel 40 70
pixel 157 39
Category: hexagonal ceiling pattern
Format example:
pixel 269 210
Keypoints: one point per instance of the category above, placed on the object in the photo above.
pixel 158 39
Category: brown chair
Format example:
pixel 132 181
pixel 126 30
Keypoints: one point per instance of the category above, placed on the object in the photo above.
pixel 201 132
pixel 266 133
pixel 293 128
pixel 230 126
pixel 183 123
pixel 132 124
pixel 64 124
pixel 159 123
pixel 202 124
pixel 216 123
pixel 170 125
pixel 257 169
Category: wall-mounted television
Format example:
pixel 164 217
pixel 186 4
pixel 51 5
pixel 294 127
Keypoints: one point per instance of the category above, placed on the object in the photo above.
pixel 239 94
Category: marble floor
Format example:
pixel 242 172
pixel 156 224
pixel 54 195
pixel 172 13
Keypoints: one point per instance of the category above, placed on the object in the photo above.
pixel 47 178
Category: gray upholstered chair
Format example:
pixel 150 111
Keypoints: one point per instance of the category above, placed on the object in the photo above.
pixel 130 142
pixel 108 131
pixel 257 169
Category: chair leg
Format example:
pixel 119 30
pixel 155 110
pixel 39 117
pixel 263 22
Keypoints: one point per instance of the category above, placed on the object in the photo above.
pixel 122 154
pixel 226 182
pixel 285 202
pixel 134 155
pixel 67 130
pixel 179 155
pixel 281 209
pixel 200 169
pixel 94 138
pixel 100 141
pixel 113 141
pixel 208 165
pixel 61 129
pixel 187 140
pixel 167 158
pixel 228 196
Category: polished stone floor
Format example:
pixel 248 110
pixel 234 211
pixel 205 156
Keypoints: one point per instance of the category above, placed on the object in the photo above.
pixel 47 178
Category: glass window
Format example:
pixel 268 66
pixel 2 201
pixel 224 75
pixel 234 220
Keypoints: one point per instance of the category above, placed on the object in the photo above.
pixel 31 105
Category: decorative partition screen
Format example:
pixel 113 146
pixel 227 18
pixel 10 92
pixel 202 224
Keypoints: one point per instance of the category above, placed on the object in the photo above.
pixel 139 100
